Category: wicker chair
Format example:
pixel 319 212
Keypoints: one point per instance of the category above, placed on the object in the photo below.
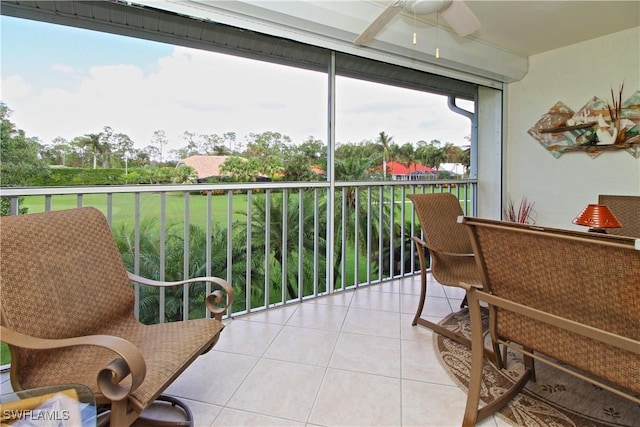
pixel 452 259
pixel 567 298
pixel 67 308
pixel 627 210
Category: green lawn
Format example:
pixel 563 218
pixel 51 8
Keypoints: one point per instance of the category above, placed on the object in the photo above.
pixel 5 357
pixel 123 206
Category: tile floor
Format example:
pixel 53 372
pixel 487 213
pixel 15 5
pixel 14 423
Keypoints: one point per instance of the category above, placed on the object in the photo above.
pixel 350 359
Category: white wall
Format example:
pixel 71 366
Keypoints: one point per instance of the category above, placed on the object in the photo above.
pixel 560 188
pixel 490 157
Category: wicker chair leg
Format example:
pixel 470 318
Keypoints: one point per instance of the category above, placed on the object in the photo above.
pixel 423 283
pixel 120 414
pixel 112 416
pixel 504 359
pixel 176 405
pixel 529 363
pixel 472 414
pixel 492 355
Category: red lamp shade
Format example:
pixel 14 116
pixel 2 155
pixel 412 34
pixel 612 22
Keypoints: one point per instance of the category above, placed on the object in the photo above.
pixel 597 216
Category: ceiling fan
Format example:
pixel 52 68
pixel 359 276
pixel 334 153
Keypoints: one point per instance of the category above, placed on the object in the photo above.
pixel 455 12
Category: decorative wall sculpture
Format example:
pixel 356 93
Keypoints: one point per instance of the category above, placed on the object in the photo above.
pixel 595 128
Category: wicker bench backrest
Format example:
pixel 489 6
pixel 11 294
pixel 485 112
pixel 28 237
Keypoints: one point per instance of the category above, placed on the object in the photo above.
pixel 585 277
pixel 627 210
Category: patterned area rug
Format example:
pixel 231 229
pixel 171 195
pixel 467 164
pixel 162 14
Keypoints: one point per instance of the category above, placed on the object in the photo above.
pixel 555 399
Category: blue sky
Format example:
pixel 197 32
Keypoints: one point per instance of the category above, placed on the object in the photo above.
pixel 65 82
pixel 28 47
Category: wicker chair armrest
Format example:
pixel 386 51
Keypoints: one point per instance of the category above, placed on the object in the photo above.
pixel 437 250
pixel 213 300
pixel 131 362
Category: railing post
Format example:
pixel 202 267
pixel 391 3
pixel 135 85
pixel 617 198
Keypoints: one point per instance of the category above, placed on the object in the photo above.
pixel 354 214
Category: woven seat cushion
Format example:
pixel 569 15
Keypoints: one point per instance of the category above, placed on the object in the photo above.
pixel 451 270
pixel 167 350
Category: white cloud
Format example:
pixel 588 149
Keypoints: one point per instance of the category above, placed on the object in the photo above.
pixel 201 92
pixel 63 68
pixel 15 87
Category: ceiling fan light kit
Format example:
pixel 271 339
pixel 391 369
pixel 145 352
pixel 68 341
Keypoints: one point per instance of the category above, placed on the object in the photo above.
pixel 455 12
pixel 426 7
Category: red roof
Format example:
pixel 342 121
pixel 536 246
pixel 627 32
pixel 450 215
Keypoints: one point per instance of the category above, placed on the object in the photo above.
pixel 395 168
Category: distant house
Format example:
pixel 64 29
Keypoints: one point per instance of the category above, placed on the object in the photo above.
pixel 456 169
pixel 317 170
pixel 205 166
pixel 400 172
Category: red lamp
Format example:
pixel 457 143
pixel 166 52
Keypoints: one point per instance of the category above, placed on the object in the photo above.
pixel 598 217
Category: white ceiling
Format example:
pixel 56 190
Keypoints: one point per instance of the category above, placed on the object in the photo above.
pixel 531 27
pixel 521 27
pixel 510 31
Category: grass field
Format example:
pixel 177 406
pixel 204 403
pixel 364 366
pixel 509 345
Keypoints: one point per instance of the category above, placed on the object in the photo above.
pixel 123 206
pixel 5 357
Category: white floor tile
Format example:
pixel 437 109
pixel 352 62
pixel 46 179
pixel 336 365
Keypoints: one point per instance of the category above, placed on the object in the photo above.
pixel 420 363
pixel 342 298
pixel 279 389
pixel 409 303
pixel 246 337
pixel 213 377
pixel 279 316
pixel 368 354
pixel 426 404
pixel 318 316
pixel 349 398
pixel 233 417
pixel 303 345
pixel 414 333
pixel 368 299
pixel 372 322
pixel 348 359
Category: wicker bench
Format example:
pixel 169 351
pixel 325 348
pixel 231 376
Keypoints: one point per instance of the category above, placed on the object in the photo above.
pixel 567 298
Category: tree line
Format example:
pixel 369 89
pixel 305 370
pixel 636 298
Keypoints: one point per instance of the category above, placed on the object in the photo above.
pixel 267 154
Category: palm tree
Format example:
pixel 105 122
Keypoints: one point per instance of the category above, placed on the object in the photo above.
pixel 407 154
pixel 94 143
pixel 285 251
pixel 184 174
pixel 385 141
pixel 432 154
pixel 150 266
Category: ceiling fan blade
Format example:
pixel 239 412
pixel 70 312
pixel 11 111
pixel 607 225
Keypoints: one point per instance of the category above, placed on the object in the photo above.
pixel 379 23
pixel 461 18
